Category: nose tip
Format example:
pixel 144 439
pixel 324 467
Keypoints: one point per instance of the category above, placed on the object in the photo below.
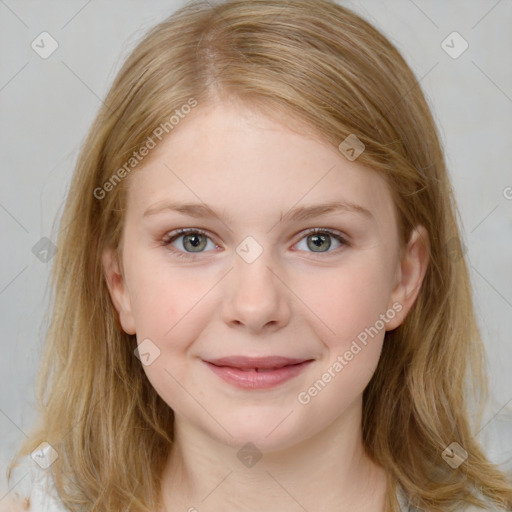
pixel 254 296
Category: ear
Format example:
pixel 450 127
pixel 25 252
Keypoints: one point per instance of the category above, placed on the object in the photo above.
pixel 118 290
pixel 410 273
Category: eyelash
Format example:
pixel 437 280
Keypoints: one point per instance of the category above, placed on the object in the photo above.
pixel 171 237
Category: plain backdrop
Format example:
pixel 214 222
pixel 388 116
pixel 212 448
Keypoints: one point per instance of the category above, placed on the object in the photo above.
pixel 47 106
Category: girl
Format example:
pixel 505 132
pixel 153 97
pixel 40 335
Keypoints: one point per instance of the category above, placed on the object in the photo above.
pixel 260 299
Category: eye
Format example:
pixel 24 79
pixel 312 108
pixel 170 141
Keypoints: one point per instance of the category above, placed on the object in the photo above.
pixel 193 241
pixel 320 240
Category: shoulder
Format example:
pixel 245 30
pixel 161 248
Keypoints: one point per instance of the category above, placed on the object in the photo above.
pixel 31 485
pixel 488 508
pixel 405 505
pixel 9 504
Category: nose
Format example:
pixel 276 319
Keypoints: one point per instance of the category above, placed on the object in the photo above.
pixel 256 296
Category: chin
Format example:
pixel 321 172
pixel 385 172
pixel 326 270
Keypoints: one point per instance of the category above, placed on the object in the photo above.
pixel 267 436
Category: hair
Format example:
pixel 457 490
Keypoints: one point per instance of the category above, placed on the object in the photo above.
pixel 322 66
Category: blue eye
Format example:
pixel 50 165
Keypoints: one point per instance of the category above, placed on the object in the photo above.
pixel 318 241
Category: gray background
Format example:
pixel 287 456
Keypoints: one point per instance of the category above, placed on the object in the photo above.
pixel 47 106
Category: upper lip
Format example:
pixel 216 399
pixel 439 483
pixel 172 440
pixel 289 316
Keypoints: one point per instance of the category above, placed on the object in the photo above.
pixel 244 362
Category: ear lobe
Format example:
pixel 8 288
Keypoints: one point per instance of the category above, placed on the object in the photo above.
pixel 411 272
pixel 118 290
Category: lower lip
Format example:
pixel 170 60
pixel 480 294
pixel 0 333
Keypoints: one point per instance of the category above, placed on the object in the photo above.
pixel 252 379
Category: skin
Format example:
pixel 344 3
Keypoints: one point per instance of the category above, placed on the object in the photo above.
pixel 290 301
pixel 9 504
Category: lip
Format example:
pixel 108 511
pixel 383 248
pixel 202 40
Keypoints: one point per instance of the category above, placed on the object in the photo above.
pixel 257 372
pixel 245 363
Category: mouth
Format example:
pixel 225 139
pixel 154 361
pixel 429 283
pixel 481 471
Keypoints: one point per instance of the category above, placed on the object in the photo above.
pixel 257 373
pixel 258 363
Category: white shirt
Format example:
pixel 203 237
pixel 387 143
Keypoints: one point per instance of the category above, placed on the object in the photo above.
pixel 30 480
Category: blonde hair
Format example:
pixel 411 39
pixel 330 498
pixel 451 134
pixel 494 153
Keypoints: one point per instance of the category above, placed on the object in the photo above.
pixel 324 66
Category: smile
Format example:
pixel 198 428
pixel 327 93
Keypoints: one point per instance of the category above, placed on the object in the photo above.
pixel 258 378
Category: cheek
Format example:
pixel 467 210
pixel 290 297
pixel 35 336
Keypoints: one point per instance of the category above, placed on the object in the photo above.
pixel 165 302
pixel 349 299
pixel 171 304
pixel 171 308
pixel 349 304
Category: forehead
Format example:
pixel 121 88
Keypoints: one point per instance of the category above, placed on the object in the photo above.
pixel 248 163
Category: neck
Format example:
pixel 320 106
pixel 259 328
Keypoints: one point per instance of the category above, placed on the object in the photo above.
pixel 327 471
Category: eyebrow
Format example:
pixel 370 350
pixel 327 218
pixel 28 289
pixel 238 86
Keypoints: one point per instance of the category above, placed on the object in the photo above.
pixel 297 214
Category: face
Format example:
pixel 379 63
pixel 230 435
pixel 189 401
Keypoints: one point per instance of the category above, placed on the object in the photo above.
pixel 254 280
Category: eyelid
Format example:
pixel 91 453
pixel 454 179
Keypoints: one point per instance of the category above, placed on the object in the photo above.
pixel 173 235
pixel 168 237
pixel 333 232
pixel 338 235
pixel 177 233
